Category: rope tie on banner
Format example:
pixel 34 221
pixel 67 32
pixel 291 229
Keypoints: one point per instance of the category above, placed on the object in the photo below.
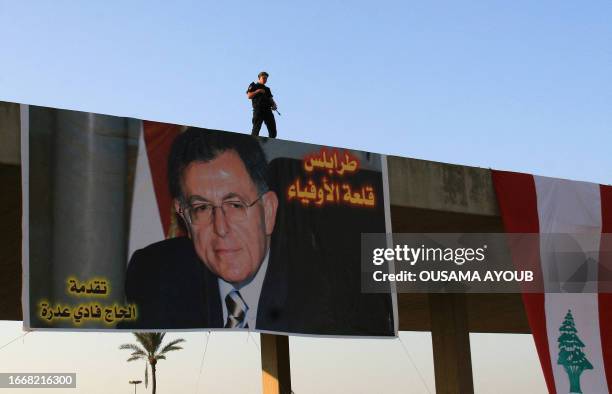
pixel 253 340
pixel 413 364
pixel 203 357
pixel 13 340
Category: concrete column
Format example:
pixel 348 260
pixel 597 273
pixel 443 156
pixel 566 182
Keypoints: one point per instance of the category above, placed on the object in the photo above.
pixel 275 364
pixel 10 213
pixel 451 344
pixel 10 148
pixel 89 200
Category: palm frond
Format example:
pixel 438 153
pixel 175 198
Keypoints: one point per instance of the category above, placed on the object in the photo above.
pixel 130 346
pixel 139 352
pixel 150 340
pixel 172 346
pixel 144 338
pixel 157 339
pixel 149 349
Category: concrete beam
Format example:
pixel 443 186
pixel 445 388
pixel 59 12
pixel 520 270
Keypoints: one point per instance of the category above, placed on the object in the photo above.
pixel 441 187
pixel 499 313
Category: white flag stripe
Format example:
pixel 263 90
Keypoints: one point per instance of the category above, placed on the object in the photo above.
pixel 572 208
pixel 145 223
pixel 568 206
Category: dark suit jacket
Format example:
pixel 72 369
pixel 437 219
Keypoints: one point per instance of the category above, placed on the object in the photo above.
pixel 173 289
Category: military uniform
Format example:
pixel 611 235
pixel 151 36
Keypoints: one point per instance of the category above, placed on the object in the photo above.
pixel 262 109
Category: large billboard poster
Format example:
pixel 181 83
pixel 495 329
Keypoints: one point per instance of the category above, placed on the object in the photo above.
pixel 139 225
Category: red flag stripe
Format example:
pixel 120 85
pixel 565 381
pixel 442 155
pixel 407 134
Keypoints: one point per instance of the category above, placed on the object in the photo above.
pixel 516 196
pixel 158 140
pixel 605 267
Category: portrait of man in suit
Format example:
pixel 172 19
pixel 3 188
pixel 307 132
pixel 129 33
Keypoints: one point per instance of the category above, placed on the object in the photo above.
pixel 207 229
pixel 218 182
pixel 251 258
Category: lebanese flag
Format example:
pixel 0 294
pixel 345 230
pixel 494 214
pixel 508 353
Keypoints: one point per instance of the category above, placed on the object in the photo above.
pixel 152 218
pixel 534 204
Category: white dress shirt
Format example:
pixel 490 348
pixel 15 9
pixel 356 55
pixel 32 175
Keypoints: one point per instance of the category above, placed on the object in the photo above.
pixel 249 292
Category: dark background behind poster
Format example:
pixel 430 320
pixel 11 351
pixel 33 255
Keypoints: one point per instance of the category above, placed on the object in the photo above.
pixel 321 248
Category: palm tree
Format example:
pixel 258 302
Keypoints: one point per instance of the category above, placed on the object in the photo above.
pixel 149 350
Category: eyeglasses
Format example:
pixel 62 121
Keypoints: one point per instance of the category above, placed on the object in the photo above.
pixel 235 211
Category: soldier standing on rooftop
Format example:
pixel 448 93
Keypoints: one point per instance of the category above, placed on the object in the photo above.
pixel 263 105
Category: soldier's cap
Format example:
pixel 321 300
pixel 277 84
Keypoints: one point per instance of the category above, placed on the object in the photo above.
pixel 262 73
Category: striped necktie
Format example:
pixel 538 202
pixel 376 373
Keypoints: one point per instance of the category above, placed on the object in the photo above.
pixel 236 310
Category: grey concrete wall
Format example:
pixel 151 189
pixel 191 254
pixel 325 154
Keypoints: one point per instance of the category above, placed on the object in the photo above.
pixel 9 133
pixel 442 187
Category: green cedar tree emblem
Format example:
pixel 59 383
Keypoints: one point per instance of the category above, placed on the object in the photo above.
pixel 571 355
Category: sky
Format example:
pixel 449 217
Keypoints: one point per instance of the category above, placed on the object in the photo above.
pixel 522 86
pixel 231 363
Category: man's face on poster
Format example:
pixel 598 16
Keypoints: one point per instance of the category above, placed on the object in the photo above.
pixel 234 240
